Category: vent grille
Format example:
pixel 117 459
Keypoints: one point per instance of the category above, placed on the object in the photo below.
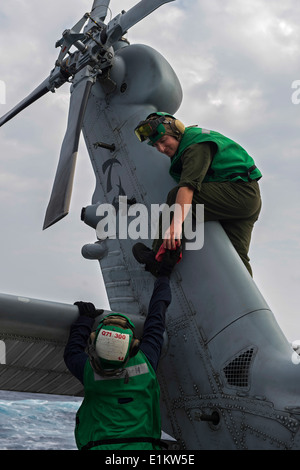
pixel 237 371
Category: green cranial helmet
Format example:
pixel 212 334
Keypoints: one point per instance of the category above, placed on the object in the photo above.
pixel 112 344
pixel 157 125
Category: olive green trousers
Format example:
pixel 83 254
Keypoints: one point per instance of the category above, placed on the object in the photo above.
pixel 236 205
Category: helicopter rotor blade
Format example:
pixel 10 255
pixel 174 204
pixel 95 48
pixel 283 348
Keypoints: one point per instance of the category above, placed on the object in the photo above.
pixel 59 202
pixel 40 91
pixel 57 78
pixel 118 26
pixel 99 9
pixel 83 59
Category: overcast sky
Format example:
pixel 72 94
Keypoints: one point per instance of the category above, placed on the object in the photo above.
pixel 237 62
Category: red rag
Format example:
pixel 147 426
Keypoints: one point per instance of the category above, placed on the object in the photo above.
pixel 161 252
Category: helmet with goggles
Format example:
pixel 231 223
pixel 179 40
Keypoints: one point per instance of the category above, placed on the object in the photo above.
pixel 112 344
pixel 157 125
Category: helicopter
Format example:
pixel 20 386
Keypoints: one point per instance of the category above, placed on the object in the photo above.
pixel 216 390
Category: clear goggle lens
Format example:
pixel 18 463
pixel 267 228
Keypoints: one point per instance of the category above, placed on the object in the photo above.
pixel 143 131
pixel 152 130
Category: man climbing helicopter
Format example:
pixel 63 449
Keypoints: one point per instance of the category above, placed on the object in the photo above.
pixel 121 407
pixel 209 169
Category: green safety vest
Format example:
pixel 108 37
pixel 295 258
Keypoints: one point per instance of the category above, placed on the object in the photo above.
pixel 230 162
pixel 120 412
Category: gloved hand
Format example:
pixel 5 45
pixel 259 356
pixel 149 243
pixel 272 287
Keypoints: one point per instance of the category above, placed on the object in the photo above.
pixel 87 309
pixel 170 258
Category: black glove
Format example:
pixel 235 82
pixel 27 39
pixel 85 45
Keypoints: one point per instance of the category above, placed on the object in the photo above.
pixel 170 258
pixel 87 309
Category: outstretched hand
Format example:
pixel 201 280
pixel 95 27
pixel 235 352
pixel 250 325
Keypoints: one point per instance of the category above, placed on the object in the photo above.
pixel 169 260
pixel 87 309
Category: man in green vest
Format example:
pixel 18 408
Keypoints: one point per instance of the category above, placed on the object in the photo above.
pixel 121 406
pixel 209 169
